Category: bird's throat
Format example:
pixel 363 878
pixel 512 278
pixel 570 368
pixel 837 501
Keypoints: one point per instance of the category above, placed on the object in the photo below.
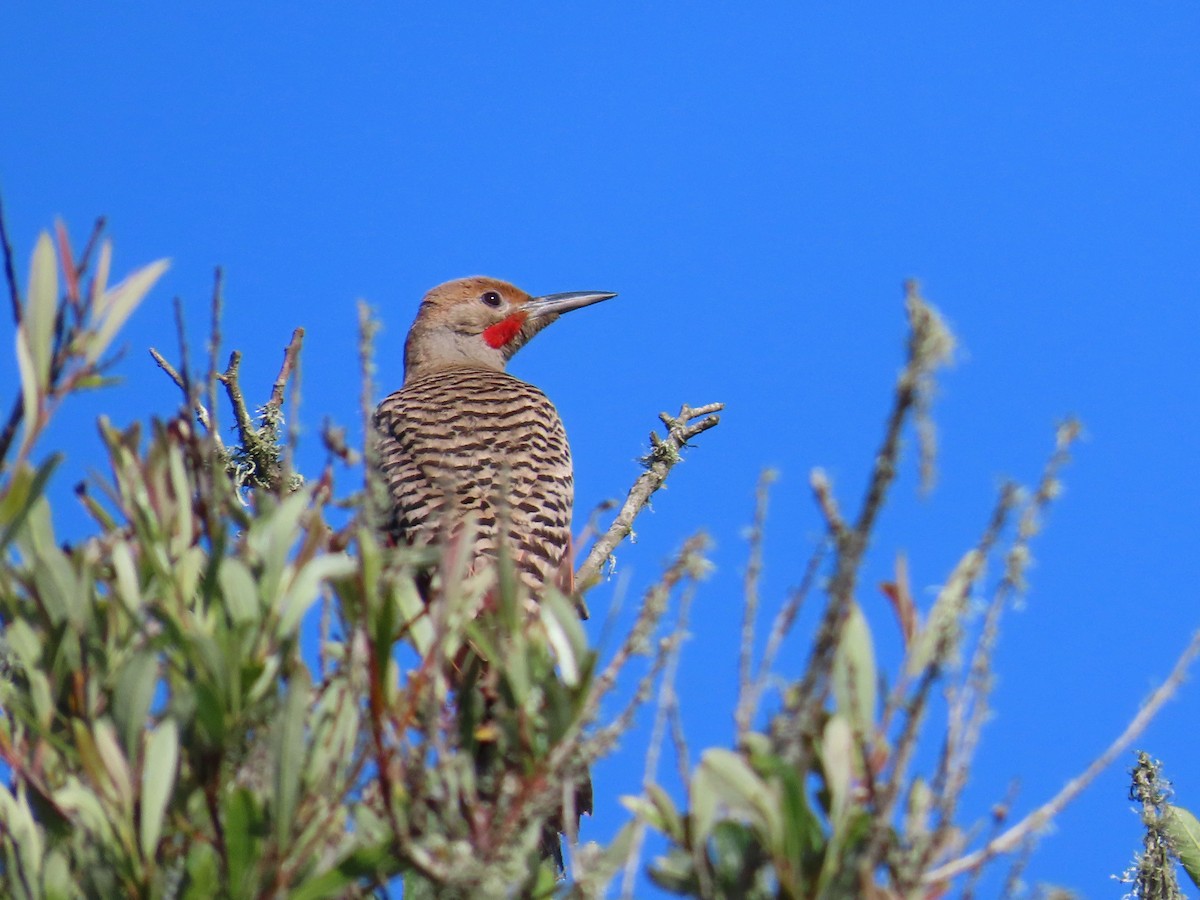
pixel 505 330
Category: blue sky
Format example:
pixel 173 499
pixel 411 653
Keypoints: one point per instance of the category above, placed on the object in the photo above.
pixel 755 180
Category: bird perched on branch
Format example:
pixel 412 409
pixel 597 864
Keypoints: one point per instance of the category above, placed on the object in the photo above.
pixel 471 453
pixel 463 440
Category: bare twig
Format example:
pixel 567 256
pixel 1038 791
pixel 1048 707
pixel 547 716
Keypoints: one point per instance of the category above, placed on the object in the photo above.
pixel 668 702
pixel 290 355
pixel 17 413
pixel 10 270
pixel 664 454
pixel 233 388
pixel 185 374
pixel 167 367
pixel 216 306
pixel 823 492
pixel 913 701
pixel 929 345
pixel 745 704
pixel 15 416
pixel 970 710
pixel 1043 815
pixel 784 621
pixel 199 408
pixel 688 564
pixel 85 258
pixel 377 495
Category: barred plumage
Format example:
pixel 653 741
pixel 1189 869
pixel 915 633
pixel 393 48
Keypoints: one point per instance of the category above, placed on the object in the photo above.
pixel 474 443
pixel 462 440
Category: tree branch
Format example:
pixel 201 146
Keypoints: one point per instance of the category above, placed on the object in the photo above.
pixel 1042 816
pixel 664 454
pixel 290 353
pixel 173 374
pixel 10 271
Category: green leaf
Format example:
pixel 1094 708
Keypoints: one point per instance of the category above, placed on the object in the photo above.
pixel 85 809
pixel 238 591
pixel 289 751
pixel 837 759
pixel 675 872
pixel 413 613
pixel 100 279
pixel 798 853
pixel 917 810
pixel 41 310
pixel 26 643
pixel 132 698
pixel 117 305
pixel 1184 830
pixel 725 780
pixel 305 587
pixel 210 712
pixel 203 872
pixel 115 763
pixel 21 835
pixel 30 392
pixel 938 642
pixel 854 674
pixel 56 876
pixel 39 694
pixel 128 589
pixel 375 861
pixel 337 725
pixel 158 778
pixel 272 537
pixel 24 489
pixel 672 822
pixel 242 829
pixel 732 846
pixel 644 810
pixel 565 634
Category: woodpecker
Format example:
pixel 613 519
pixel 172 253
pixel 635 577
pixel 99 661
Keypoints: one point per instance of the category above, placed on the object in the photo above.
pixel 470 452
pixel 463 441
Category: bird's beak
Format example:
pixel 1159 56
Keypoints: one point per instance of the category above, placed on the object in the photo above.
pixel 555 304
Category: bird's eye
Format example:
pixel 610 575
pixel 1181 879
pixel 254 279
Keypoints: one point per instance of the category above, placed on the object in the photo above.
pixel 491 298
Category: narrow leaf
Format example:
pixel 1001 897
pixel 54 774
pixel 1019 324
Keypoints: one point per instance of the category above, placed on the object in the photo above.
pixel 289 753
pixel 158 777
pixel 23 492
pixel 238 590
pixel 726 780
pixel 837 758
pixel 561 623
pixel 305 587
pixel 115 762
pixel 30 391
pixel 133 696
pixel 42 307
pixel 854 674
pixel 119 304
pixel 241 841
pixel 100 279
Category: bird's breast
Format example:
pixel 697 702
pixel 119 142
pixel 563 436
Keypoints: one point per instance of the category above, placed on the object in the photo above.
pixel 483 445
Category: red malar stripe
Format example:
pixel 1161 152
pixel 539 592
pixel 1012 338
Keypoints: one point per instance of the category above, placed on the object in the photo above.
pixel 504 331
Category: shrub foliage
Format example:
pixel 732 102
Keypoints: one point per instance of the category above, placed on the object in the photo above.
pixel 230 687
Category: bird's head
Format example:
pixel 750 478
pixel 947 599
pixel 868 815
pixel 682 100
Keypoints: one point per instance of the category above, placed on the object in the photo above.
pixel 481 322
